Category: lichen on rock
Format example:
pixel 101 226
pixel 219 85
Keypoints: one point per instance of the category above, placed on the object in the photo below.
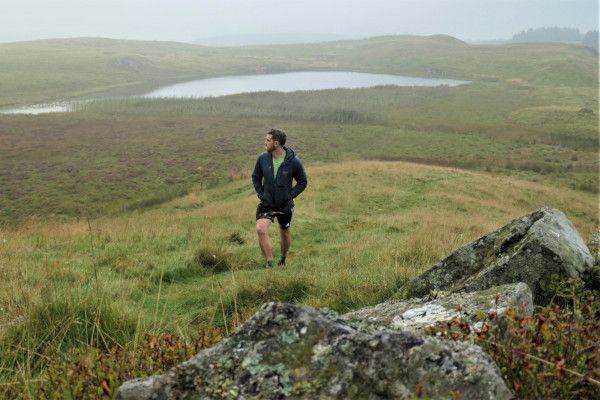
pixel 419 314
pixel 530 249
pixel 329 360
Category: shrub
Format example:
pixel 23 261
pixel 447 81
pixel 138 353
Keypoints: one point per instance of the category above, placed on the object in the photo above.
pixel 93 373
pixel 554 354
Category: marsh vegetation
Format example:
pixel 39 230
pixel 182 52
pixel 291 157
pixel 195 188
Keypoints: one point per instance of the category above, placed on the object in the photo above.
pixel 131 218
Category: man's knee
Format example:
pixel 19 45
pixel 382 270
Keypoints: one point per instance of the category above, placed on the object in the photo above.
pixel 262 226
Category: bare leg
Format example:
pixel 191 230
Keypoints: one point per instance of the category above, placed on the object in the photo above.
pixel 262 230
pixel 286 240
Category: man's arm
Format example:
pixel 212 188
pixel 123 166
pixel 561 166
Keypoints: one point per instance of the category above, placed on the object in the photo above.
pixel 257 176
pixel 301 180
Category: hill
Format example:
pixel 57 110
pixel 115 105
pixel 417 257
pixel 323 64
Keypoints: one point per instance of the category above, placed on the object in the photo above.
pixel 47 70
pixel 121 155
pixel 135 217
pixel 269 39
pixel 361 230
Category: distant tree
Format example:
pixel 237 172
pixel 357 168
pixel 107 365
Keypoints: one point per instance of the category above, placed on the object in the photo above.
pixel 591 40
pixel 545 34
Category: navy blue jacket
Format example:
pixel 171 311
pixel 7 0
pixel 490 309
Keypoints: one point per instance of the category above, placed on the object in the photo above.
pixel 277 193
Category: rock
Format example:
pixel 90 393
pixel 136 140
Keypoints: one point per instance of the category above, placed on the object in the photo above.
pixel 148 388
pixel 594 247
pixel 593 280
pixel 530 249
pixel 419 314
pixel 294 352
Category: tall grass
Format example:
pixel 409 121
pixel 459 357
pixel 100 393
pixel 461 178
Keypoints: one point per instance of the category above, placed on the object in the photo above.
pixel 360 231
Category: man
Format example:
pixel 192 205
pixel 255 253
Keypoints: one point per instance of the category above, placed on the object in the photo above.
pixel 272 178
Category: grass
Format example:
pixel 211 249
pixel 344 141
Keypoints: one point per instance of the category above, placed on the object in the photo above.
pixel 132 218
pixel 361 230
pixel 523 118
pixel 47 70
pixel 124 155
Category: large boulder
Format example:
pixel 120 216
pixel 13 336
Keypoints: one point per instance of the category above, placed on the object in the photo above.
pixel 294 352
pixel 419 314
pixel 530 249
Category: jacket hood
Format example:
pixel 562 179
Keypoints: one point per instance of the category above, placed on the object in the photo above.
pixel 289 154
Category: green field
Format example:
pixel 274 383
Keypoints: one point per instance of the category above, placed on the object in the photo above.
pixel 132 217
pixel 362 228
pixel 121 155
pixel 523 114
pixel 48 70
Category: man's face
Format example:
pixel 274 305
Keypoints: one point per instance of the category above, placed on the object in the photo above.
pixel 269 143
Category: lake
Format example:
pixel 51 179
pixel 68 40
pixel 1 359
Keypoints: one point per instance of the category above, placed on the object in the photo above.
pixel 285 82
pixel 39 108
pixel 290 82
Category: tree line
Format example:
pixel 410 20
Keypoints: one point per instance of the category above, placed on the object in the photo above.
pixel 556 34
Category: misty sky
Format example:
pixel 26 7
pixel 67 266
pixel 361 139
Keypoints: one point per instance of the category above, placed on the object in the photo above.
pixel 188 20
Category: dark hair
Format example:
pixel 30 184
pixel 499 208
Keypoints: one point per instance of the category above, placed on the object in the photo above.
pixel 278 135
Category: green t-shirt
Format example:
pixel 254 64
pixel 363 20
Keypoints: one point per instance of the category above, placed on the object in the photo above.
pixel 277 164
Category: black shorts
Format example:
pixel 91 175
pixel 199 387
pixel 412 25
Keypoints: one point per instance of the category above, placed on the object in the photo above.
pixel 283 217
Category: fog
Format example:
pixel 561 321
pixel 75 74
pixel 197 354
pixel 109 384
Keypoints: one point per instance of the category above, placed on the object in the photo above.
pixel 190 20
